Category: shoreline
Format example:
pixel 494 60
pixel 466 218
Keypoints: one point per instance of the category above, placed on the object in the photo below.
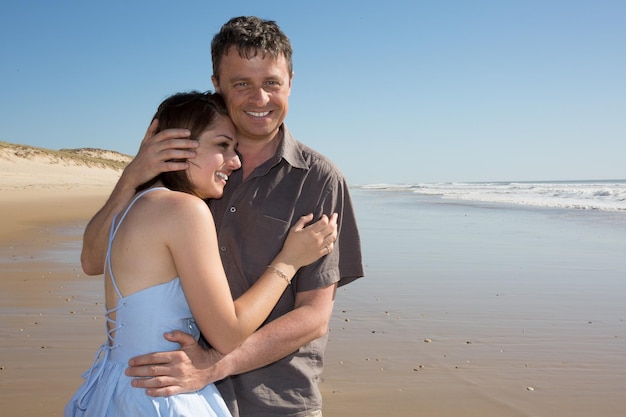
pixel 23 210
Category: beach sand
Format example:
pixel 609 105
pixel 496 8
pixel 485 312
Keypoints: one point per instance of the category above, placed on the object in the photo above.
pixel 51 320
pixel 50 312
pixel 465 310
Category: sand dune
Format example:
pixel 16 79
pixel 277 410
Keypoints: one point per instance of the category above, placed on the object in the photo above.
pixel 39 186
pixel 27 168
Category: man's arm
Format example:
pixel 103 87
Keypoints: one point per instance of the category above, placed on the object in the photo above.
pixel 96 233
pixel 308 321
pixel 190 368
pixel 154 156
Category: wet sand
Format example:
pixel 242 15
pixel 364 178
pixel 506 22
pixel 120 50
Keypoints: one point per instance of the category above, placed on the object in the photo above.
pixel 465 310
pixel 50 312
pixel 481 310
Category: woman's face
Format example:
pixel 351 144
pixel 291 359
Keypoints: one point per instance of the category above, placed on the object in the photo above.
pixel 215 159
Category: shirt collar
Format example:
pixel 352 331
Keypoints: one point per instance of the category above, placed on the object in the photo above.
pixel 289 150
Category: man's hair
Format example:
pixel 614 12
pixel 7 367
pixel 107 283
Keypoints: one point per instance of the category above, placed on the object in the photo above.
pixel 250 36
pixel 194 111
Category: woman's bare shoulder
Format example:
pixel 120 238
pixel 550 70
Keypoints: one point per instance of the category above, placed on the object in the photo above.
pixel 176 203
pixel 165 197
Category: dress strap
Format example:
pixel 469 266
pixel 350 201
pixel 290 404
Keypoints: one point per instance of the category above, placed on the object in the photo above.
pixel 93 375
pixel 115 227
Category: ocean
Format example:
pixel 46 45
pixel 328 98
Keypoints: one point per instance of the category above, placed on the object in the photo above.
pixel 608 195
pixel 456 239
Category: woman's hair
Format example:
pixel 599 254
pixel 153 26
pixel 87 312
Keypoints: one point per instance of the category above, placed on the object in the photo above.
pixel 194 111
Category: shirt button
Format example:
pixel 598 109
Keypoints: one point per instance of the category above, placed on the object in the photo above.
pixel 223 248
pixel 233 209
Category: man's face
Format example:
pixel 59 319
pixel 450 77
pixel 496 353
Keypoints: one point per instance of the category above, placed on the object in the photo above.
pixel 256 92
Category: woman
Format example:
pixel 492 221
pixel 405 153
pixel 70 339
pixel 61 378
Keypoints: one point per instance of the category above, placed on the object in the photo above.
pixel 163 267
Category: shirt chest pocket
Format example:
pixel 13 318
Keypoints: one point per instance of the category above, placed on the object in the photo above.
pixel 264 241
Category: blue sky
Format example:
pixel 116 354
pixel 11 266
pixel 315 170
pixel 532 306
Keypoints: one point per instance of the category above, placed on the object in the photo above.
pixel 393 92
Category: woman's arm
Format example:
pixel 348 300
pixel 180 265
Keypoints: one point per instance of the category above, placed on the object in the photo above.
pixel 223 322
pixel 191 368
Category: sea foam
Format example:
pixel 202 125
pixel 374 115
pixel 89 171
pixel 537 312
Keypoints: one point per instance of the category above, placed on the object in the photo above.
pixel 608 195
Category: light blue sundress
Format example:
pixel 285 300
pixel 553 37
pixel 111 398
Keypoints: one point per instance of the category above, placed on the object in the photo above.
pixel 141 320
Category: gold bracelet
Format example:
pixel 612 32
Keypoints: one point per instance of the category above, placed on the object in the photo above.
pixel 280 273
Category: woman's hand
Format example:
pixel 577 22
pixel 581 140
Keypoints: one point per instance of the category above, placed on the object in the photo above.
pixel 306 244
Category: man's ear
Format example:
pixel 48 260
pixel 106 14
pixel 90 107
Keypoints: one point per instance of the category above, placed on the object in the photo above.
pixel 216 86
pixel 290 82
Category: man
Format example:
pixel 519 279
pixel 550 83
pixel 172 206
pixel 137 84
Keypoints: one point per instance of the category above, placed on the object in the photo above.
pixel 276 371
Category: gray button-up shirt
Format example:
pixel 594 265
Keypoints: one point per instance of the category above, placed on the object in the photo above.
pixel 252 220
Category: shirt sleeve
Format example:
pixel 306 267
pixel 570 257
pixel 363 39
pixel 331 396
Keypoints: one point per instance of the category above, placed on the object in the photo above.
pixel 344 264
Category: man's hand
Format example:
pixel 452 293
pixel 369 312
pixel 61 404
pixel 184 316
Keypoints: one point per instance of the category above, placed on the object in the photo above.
pixel 167 373
pixel 165 151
